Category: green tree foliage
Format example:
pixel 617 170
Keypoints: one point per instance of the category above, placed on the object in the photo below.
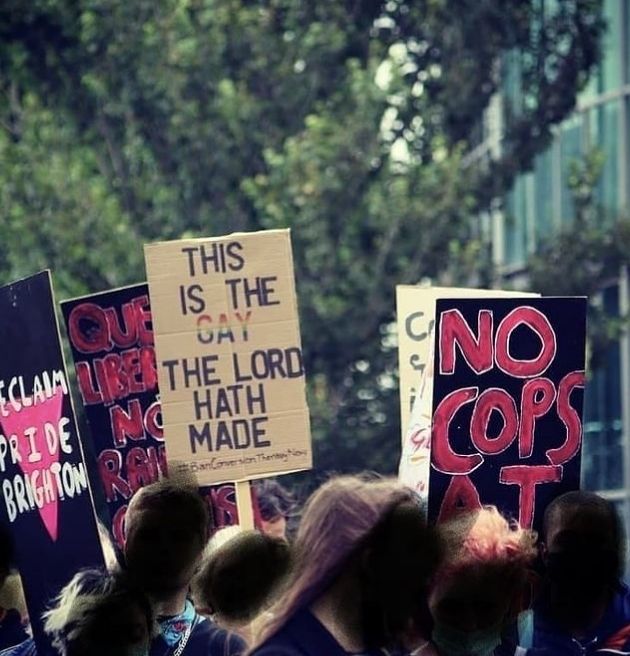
pixel 349 121
pixel 586 256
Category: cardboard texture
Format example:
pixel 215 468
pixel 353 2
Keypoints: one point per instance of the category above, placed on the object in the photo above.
pixel 507 405
pixel 46 498
pixel 230 365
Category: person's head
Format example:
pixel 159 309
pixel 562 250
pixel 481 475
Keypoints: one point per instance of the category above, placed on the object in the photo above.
pixel 478 588
pixel 582 549
pixel 166 526
pixel 372 534
pixel 274 505
pixel 100 614
pixel 238 579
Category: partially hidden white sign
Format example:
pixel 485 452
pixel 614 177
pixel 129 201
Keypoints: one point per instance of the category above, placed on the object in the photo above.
pixel 415 308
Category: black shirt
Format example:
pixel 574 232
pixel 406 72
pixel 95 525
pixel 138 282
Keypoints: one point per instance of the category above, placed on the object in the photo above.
pixel 304 635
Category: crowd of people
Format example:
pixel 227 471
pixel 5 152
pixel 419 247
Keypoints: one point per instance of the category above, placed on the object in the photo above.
pixel 366 574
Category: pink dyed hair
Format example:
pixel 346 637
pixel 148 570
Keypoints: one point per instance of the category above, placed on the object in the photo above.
pixel 485 537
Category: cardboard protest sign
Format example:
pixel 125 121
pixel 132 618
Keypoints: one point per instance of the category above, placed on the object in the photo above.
pixel 507 404
pixel 230 365
pixel 111 338
pixel 46 498
pixel 416 321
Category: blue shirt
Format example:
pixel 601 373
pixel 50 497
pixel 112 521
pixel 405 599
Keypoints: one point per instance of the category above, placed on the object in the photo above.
pixel 12 630
pixel 26 648
pixel 205 639
pixel 610 636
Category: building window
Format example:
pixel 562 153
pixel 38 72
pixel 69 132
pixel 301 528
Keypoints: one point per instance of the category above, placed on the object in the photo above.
pixel 515 233
pixel 604 135
pixel 570 152
pixel 511 86
pixel 543 189
pixel 624 138
pixel 608 74
pixel 603 452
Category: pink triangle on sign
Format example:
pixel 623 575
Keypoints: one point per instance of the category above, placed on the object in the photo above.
pixel 36 416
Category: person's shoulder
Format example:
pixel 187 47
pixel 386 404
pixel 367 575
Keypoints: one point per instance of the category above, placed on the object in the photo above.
pixel 26 648
pixel 617 624
pixel 12 630
pixel 302 635
pixel 283 643
pixel 622 600
pixel 277 648
pixel 211 640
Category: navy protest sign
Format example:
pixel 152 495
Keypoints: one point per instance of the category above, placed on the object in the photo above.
pixel 46 498
pixel 507 404
pixel 111 338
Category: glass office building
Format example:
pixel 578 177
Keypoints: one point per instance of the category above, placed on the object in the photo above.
pixel 540 203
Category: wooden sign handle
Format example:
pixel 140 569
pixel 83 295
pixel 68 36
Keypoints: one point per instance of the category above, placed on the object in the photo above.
pixel 244 505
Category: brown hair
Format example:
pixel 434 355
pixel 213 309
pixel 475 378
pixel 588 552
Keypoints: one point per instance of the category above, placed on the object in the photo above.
pixel 240 578
pixel 336 521
pixel 169 495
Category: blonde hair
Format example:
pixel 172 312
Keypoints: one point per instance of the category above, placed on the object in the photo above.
pixel 12 595
pixel 240 579
pixel 336 520
pixel 221 537
pixel 87 592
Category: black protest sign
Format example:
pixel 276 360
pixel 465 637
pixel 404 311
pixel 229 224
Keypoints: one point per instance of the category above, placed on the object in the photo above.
pixel 507 404
pixel 111 338
pixel 221 500
pixel 46 499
